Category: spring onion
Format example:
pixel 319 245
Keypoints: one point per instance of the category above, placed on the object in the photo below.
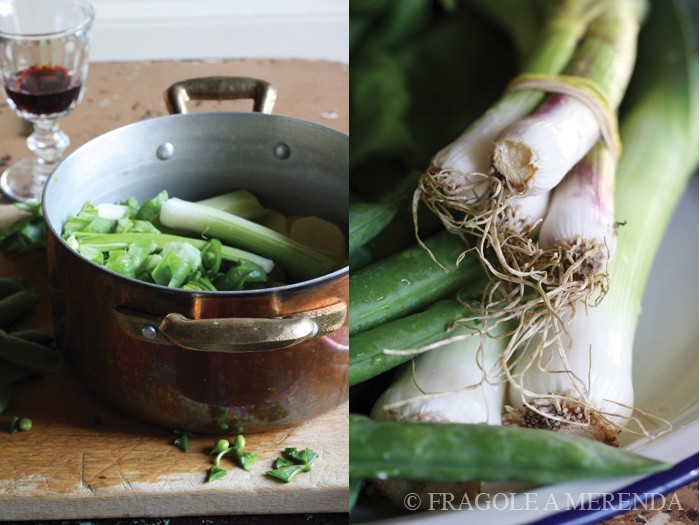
pixel 542 281
pixel 459 382
pixel 535 153
pixel 583 382
pixel 454 180
pixel 581 221
pixel 571 374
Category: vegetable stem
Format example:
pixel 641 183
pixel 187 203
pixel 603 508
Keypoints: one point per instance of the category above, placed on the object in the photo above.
pixel 304 262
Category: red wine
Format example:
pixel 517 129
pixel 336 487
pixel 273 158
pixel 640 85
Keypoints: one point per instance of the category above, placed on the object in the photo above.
pixel 42 90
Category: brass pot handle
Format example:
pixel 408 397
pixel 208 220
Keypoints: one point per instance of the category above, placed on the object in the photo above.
pixel 221 88
pixel 245 334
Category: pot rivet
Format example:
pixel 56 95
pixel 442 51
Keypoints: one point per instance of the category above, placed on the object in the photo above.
pixel 282 151
pixel 149 332
pixel 165 151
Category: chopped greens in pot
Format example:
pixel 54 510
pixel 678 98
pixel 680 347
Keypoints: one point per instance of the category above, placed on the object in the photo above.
pixel 180 244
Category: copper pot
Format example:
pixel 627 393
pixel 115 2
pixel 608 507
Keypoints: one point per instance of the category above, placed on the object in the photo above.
pixel 204 361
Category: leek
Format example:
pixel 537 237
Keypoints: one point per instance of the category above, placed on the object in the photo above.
pixel 240 202
pixel 303 263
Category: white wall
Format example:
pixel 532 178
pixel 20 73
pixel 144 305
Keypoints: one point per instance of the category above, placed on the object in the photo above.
pixel 192 29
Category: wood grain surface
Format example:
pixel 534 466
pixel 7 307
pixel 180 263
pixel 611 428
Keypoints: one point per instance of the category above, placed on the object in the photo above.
pixel 84 460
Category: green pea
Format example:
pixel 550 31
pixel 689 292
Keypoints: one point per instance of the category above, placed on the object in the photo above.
pixel 18 424
pixel 239 442
pixel 220 445
pixel 446 452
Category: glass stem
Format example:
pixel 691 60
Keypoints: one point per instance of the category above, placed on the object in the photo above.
pixel 48 142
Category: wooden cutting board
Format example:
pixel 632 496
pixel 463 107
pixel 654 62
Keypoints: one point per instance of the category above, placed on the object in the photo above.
pixel 82 459
pixel 66 467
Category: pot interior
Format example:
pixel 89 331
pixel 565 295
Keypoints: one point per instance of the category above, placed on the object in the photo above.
pixel 292 166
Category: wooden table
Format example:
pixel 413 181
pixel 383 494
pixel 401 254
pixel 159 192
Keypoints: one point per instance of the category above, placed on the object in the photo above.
pixel 84 460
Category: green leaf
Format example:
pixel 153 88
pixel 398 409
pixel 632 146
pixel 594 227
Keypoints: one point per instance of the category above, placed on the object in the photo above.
pixel 183 442
pixel 288 473
pixel 150 210
pixel 283 462
pixel 179 261
pixel 245 459
pixel 305 457
pixel 380 103
pixel 215 473
pixel 241 276
pixel 135 226
pixel 129 262
pixel 26 233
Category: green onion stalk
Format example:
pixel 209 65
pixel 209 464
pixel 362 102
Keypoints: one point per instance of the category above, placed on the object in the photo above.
pixel 506 198
pixel 458 382
pixel 581 382
pixel 457 175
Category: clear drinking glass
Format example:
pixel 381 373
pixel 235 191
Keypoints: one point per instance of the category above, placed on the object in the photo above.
pixel 44 59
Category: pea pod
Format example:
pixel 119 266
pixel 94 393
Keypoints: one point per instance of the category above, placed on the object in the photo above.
pixel 11 373
pixel 407 281
pixel 10 285
pixel 26 353
pixel 447 452
pixel 5 395
pixel 354 491
pixel 35 336
pixel 367 357
pixel 16 305
pixel 367 220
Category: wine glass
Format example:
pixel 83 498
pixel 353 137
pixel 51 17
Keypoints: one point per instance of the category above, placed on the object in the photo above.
pixel 44 59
